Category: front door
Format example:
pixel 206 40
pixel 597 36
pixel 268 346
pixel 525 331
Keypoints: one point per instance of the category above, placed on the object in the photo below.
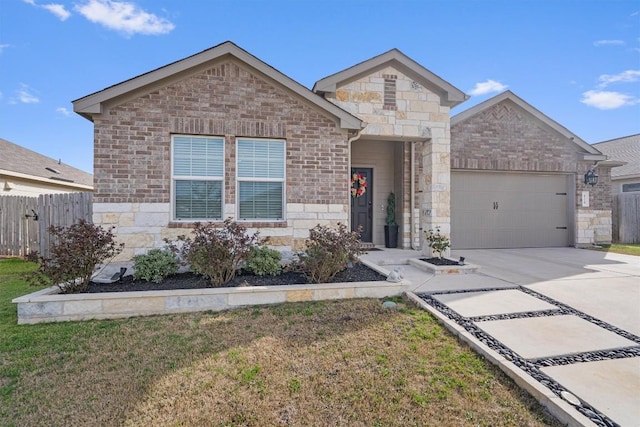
pixel 362 202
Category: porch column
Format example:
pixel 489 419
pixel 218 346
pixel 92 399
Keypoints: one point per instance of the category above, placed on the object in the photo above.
pixel 435 183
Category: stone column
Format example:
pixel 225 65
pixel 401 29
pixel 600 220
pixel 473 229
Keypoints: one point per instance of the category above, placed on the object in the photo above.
pixel 435 203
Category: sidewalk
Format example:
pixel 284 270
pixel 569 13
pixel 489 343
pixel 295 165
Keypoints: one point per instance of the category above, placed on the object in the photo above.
pixel 562 322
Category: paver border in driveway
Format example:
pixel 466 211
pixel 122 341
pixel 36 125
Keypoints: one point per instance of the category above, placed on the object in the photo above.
pixel 514 365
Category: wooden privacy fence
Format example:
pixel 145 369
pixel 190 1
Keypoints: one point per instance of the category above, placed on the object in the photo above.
pixel 626 218
pixel 18 230
pixel 25 221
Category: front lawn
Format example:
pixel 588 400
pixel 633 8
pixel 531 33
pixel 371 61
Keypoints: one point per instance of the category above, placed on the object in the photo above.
pixel 347 362
pixel 620 248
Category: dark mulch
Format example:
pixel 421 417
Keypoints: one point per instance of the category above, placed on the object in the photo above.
pixel 358 273
pixel 439 261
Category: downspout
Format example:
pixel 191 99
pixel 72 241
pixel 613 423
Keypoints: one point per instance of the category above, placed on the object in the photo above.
pixel 349 141
pixel 413 195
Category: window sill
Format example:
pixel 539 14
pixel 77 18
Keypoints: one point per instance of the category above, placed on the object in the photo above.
pixel 245 223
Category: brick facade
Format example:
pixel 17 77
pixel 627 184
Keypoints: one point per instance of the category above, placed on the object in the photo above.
pixel 132 158
pixel 132 139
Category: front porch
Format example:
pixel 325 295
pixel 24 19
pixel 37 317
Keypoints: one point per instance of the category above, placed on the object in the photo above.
pixel 387 167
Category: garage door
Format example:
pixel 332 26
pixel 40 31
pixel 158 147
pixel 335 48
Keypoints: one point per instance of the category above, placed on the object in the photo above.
pixel 509 210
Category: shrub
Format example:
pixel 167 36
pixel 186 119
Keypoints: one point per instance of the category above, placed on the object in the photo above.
pixel 437 242
pixel 75 252
pixel 329 251
pixel 155 265
pixel 216 251
pixel 264 261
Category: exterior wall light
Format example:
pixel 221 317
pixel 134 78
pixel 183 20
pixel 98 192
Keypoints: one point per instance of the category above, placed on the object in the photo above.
pixel 591 178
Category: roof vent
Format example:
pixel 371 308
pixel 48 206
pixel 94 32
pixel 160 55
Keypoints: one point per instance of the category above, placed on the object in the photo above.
pixel 53 170
pixel 61 179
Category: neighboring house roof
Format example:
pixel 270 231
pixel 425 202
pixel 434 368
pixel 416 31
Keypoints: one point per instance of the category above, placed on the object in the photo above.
pixel 625 149
pixel 21 162
pixel 591 152
pixel 449 94
pixel 92 104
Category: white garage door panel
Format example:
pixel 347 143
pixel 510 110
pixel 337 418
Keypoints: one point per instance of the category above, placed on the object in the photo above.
pixel 508 210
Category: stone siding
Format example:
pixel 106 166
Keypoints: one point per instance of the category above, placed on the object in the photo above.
pixel 143 226
pixel 416 115
pixel 593 226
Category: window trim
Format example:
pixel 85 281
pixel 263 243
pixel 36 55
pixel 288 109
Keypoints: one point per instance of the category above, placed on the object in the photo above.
pixel 173 179
pixel 283 180
pixel 629 185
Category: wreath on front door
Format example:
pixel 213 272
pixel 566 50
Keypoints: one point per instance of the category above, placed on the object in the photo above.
pixel 358 185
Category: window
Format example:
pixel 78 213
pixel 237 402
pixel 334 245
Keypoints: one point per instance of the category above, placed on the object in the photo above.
pixel 628 188
pixel 261 178
pixel 197 177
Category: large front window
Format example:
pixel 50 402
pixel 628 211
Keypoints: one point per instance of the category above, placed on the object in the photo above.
pixel 261 178
pixel 197 177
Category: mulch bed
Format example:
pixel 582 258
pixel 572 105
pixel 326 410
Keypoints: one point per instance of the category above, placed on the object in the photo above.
pixel 358 273
pixel 439 261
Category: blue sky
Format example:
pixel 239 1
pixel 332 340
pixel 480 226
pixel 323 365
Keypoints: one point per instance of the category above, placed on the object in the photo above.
pixel 578 61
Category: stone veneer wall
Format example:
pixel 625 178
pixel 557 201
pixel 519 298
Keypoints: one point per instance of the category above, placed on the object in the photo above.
pixel 593 226
pixel 507 138
pixel 417 114
pixel 142 226
pixel 228 99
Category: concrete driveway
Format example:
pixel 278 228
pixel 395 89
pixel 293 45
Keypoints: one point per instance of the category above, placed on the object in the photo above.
pixel 564 323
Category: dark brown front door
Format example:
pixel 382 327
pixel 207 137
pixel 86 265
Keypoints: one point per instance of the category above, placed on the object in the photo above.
pixel 362 206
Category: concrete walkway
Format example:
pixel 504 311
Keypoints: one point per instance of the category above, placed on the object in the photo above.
pixel 564 323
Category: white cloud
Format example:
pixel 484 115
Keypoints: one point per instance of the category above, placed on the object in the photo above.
pixel 606 100
pixel 489 86
pixel 63 111
pixel 24 95
pixel 628 76
pixel 4 46
pixel 58 10
pixel 608 43
pixel 125 17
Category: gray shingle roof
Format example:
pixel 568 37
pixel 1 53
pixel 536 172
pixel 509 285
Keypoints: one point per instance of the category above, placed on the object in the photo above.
pixel 15 158
pixel 626 149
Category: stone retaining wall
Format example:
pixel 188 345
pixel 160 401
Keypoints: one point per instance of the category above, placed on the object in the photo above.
pixel 48 305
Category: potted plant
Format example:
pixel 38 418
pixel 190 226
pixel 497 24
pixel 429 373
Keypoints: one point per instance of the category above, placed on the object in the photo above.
pixel 391 229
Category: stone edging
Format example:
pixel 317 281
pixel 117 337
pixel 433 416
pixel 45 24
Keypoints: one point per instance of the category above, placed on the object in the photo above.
pixel 47 305
pixel 443 269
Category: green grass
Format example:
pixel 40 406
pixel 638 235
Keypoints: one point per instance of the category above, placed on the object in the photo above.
pixel 619 248
pixel 348 362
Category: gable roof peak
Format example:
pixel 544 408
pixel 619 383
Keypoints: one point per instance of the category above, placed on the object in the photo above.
pixel 510 96
pixel 449 94
pixel 92 104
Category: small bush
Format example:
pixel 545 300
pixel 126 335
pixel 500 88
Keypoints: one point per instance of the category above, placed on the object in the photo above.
pixel 329 251
pixel 437 242
pixel 75 253
pixel 155 265
pixel 264 261
pixel 216 251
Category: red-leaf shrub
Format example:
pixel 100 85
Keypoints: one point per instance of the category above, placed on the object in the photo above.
pixel 329 251
pixel 216 251
pixel 75 252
